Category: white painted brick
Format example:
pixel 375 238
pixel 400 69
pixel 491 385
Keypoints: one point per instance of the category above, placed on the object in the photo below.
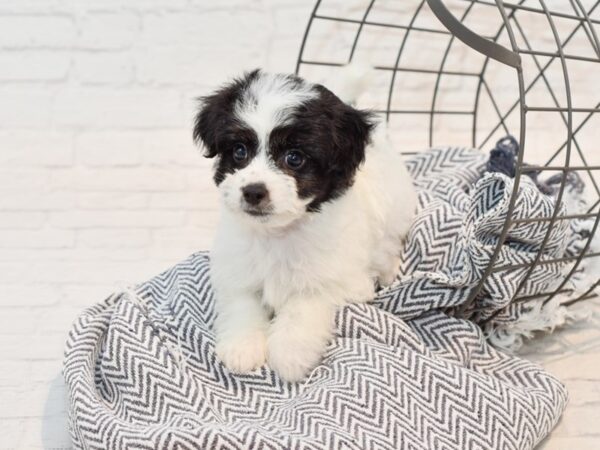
pixel 117 179
pixel 55 319
pixel 109 239
pixel 45 238
pixel 112 200
pixel 23 179
pixel 109 149
pixel 185 201
pixel 103 68
pixel 27 347
pixel 36 148
pixel 116 219
pixel 169 253
pixel 84 295
pixel 37 31
pixel 29 107
pixel 15 321
pixel 44 371
pixel 37 7
pixel 29 295
pixel 205 219
pixel 22 219
pixel 152 6
pixel 231 5
pixel 13 271
pixel 11 428
pixel 54 431
pixel 10 400
pixel 180 243
pixel 201 179
pixel 95 108
pixel 35 65
pixel 172 147
pixel 36 200
pixel 169 65
pixel 130 147
pixel 108 31
pixel 206 28
pixel 32 400
pixel 40 399
pixel 75 253
pixel 13 373
pixel 94 272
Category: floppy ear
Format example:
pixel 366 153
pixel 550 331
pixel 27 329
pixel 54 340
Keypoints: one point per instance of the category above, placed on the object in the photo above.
pixel 352 133
pixel 210 115
pixel 216 111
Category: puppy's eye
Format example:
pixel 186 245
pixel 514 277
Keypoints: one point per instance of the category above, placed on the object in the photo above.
pixel 295 159
pixel 240 153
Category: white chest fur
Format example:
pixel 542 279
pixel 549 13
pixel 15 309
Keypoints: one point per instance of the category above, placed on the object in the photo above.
pixel 335 253
pixel 277 290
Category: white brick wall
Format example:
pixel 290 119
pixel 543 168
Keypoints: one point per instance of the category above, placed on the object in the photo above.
pixel 100 184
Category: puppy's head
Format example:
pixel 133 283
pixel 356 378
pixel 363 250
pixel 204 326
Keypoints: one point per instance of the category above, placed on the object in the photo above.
pixel 283 146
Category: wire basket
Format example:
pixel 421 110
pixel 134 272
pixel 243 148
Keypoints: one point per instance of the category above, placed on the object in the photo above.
pixel 480 69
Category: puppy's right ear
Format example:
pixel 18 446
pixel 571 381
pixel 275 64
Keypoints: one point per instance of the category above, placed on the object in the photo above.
pixel 208 120
pixel 217 111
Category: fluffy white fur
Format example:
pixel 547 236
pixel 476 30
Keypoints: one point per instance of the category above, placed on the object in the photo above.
pixel 279 279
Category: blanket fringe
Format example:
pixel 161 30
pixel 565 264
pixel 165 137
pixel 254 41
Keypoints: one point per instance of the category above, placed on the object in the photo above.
pixel 510 337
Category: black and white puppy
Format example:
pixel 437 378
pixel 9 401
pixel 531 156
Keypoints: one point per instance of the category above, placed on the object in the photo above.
pixel 315 207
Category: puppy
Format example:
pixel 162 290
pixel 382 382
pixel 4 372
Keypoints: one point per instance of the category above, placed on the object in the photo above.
pixel 315 205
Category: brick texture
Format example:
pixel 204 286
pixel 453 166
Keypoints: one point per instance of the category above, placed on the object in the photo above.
pixel 101 185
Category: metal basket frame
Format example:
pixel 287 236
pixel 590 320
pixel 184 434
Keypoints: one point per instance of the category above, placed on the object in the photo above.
pixel 511 57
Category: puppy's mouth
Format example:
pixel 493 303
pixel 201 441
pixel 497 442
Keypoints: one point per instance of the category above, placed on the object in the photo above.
pixel 257 212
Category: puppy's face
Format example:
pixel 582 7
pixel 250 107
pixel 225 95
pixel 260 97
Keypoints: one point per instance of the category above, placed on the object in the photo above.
pixel 283 146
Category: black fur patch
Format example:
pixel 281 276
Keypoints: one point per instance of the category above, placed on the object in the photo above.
pixel 333 135
pixel 217 127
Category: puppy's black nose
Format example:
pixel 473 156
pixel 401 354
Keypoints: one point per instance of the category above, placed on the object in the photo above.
pixel 255 193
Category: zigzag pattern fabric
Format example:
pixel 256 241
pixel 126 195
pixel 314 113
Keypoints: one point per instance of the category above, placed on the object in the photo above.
pixel 462 210
pixel 403 372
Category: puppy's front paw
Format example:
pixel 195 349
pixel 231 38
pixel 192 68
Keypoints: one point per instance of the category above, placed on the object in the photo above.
pixel 293 355
pixel 242 352
pixel 388 275
pixel 386 279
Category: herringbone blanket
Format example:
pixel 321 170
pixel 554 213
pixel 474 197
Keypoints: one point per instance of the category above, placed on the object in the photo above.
pixel 408 371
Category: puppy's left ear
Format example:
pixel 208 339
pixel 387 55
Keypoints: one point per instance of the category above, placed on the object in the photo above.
pixel 351 136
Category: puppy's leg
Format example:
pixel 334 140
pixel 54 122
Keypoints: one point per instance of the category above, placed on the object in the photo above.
pixel 387 255
pixel 298 336
pixel 241 327
pixel 387 266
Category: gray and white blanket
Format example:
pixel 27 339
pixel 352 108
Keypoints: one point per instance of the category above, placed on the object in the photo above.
pixel 407 371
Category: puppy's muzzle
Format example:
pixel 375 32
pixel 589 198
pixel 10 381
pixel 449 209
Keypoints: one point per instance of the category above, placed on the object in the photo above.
pixel 256 196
